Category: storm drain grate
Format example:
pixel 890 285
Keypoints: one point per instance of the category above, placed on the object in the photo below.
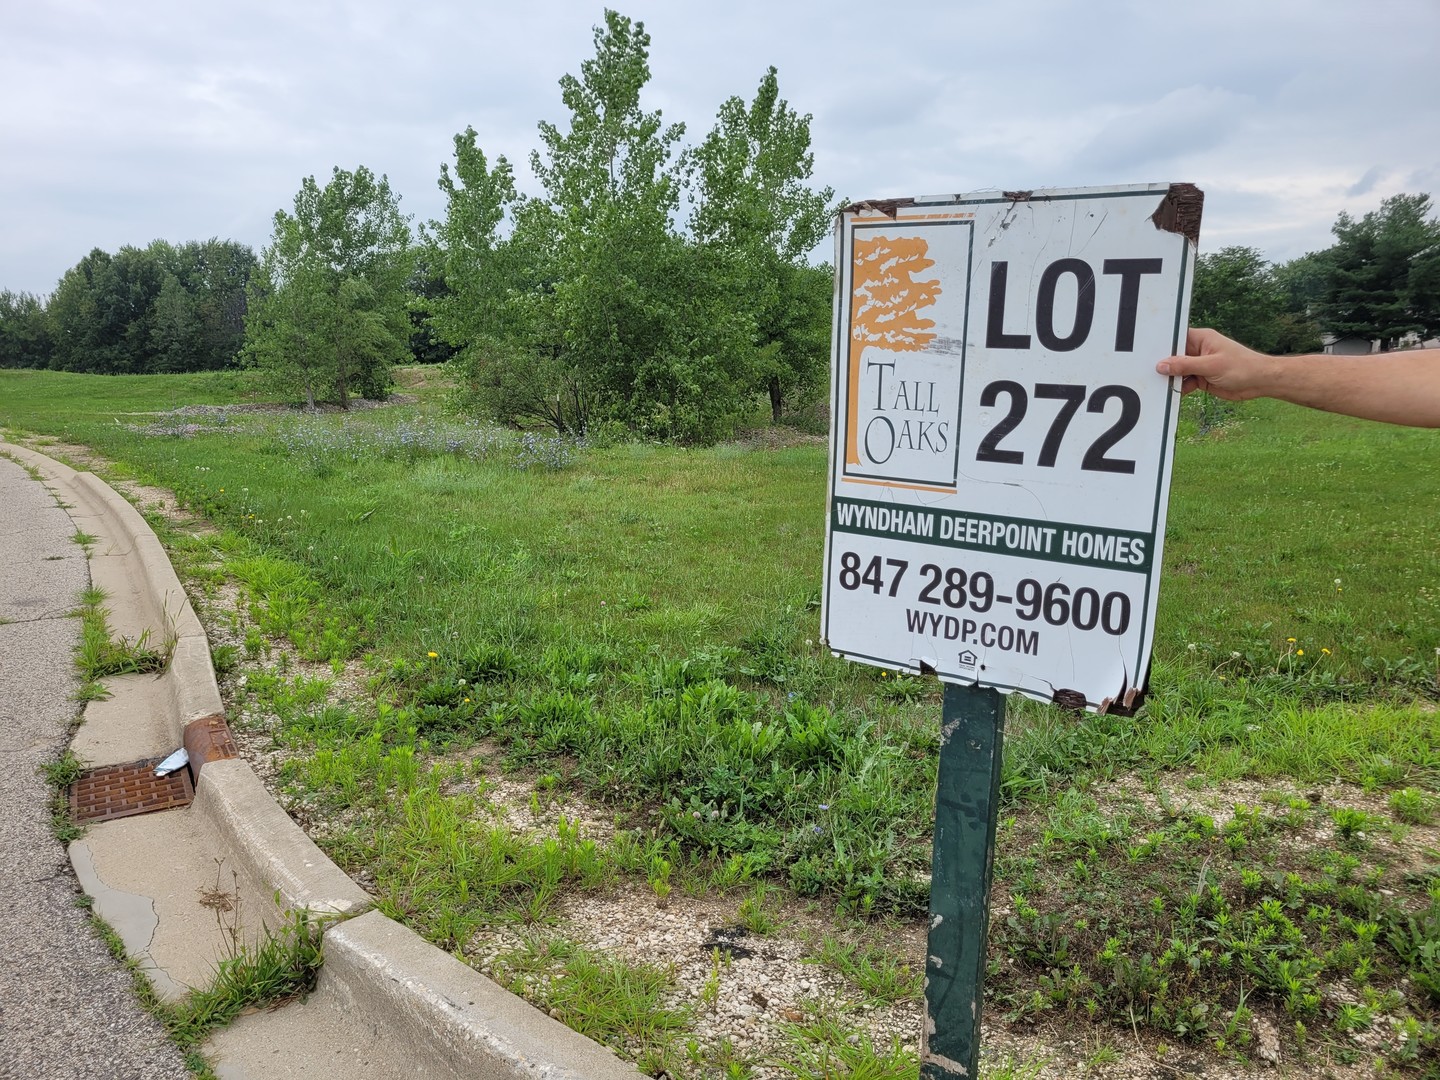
pixel 117 791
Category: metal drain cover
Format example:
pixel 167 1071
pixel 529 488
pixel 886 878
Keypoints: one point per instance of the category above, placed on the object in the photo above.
pixel 117 791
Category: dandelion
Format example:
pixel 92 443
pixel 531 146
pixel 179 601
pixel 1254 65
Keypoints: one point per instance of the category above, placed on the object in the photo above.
pixel 1191 646
pixel 884 674
pixel 1299 652
pixel 1291 640
pixel 433 655
pixel 467 701
pixel 1324 652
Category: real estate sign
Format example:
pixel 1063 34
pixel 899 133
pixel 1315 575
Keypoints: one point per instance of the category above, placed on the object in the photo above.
pixel 1000 442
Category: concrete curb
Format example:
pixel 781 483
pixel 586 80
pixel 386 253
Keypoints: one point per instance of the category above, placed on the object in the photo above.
pixel 452 1020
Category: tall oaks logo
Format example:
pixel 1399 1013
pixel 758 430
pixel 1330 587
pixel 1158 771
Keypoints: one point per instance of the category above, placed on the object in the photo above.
pixel 885 303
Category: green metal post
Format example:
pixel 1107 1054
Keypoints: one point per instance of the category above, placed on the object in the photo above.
pixel 967 793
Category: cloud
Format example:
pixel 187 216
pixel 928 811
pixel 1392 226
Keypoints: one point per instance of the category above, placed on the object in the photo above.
pixel 1184 122
pixel 1366 183
pixel 162 118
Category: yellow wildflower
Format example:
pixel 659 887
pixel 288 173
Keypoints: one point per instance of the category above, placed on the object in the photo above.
pixel 433 655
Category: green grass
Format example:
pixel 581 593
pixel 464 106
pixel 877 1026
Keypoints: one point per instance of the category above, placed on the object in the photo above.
pixel 599 996
pixel 60 774
pixel 638 624
pixel 98 654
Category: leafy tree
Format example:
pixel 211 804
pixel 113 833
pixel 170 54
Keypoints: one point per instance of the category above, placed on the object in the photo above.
pixel 479 308
pixel 174 327
pixel 215 274
pixel 25 338
pixel 328 309
pixel 755 219
pixel 426 287
pixel 1236 294
pixel 1381 273
pixel 81 330
pixel 613 295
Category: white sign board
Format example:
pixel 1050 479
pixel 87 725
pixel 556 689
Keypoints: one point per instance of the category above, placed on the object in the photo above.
pixel 1000 442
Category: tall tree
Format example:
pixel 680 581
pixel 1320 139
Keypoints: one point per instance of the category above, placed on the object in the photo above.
pixel 328 311
pixel 83 334
pixel 1379 269
pixel 617 301
pixel 756 218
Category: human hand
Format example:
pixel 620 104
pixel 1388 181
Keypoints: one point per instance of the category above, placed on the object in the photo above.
pixel 1219 366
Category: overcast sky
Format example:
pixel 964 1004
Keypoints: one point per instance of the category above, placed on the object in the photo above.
pixel 127 122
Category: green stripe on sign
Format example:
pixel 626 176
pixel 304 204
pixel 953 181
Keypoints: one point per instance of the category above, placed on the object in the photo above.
pixel 1051 541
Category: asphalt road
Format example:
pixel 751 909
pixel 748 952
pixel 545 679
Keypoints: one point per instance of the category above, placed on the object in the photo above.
pixel 66 1007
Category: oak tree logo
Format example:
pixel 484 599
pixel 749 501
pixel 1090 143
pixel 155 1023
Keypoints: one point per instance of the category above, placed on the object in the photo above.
pixel 885 300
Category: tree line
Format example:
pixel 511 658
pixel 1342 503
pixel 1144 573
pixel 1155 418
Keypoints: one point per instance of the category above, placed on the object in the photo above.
pixel 649 285
pixel 161 308
pixel 1379 282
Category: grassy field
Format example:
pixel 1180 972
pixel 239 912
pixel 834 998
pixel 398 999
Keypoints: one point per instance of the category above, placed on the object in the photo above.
pixel 635 627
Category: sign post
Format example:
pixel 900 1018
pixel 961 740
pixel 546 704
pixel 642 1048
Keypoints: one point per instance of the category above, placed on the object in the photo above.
pixel 966 796
pixel 999 474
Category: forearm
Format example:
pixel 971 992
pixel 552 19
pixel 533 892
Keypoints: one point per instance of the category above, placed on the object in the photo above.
pixel 1398 388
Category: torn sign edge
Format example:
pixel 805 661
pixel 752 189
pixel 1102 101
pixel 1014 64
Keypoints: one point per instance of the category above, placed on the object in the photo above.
pixel 1180 211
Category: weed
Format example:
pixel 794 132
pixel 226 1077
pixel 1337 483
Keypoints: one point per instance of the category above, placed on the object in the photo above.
pixel 821 1049
pixel 759 912
pixel 877 973
pixel 1414 806
pixel 98 654
pixel 281 967
pixel 599 996
pixel 60 774
pixel 64 770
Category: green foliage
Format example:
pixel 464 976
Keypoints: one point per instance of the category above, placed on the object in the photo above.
pixel 279 968
pixel 328 310
pixel 1383 273
pixel 594 313
pixel 161 308
pixel 25 336
pixel 755 220
pixel 597 995
pixel 1260 305
pixel 610 629
pixel 99 655
pixel 1380 280
pixel 877 973
pixel 822 1049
